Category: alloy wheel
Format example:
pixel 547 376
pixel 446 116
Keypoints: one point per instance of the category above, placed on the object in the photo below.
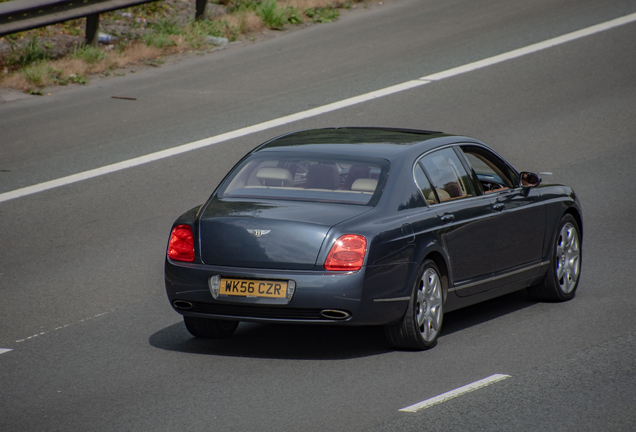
pixel 428 310
pixel 568 256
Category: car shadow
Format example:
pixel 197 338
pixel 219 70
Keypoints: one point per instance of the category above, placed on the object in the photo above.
pixel 483 312
pixel 307 342
pixel 279 341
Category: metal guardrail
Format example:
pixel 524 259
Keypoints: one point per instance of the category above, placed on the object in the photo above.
pixel 22 15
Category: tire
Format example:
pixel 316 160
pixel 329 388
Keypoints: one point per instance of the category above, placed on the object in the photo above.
pixel 210 328
pixel 421 324
pixel 562 278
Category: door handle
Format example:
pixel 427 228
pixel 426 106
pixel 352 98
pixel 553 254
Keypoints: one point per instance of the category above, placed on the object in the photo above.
pixel 447 218
pixel 498 207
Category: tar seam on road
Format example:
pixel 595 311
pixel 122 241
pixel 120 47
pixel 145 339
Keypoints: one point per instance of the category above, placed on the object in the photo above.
pixel 29 190
pixel 455 393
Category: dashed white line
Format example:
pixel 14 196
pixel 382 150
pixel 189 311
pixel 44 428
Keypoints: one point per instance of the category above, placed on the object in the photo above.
pixel 316 111
pixel 4 350
pixel 455 393
pixel 58 328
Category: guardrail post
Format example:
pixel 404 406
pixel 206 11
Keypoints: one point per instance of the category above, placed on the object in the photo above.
pixel 200 9
pixel 92 28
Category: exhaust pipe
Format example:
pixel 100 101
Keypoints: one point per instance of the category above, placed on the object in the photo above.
pixel 335 314
pixel 182 304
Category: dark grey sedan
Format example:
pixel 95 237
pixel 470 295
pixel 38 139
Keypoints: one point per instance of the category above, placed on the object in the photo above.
pixel 370 226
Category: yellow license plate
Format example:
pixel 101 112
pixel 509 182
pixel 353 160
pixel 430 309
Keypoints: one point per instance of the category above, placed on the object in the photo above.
pixel 253 288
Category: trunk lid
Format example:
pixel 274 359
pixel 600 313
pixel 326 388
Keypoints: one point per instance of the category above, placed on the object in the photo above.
pixel 272 235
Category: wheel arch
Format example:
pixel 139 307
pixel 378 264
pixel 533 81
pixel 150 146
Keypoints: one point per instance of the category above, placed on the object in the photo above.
pixel 440 262
pixel 577 216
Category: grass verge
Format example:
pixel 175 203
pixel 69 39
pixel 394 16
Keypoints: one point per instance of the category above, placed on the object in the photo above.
pixel 56 55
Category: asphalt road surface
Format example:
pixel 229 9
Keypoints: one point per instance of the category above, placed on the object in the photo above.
pixel 88 340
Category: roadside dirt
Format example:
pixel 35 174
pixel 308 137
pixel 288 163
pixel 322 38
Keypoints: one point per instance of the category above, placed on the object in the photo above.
pixel 58 42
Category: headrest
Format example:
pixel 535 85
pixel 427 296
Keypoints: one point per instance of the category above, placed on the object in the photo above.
pixel 275 176
pixel 364 185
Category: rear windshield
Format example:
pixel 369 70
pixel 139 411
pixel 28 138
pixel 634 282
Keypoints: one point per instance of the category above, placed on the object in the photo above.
pixel 307 177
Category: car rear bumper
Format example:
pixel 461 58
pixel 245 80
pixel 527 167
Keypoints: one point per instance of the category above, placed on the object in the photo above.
pixel 320 297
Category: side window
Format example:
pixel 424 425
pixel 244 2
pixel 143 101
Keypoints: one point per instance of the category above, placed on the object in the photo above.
pixel 493 173
pixel 450 179
pixel 424 185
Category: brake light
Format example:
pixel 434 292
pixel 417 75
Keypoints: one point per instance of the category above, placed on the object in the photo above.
pixel 181 245
pixel 347 253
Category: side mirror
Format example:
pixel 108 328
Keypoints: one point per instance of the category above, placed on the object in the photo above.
pixel 529 179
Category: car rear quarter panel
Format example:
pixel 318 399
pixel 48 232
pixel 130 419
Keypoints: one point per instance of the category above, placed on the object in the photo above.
pixel 401 234
pixel 397 246
pixel 558 200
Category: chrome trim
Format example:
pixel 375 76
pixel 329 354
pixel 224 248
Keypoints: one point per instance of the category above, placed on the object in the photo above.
pixel 334 314
pixel 494 278
pixel 258 232
pixel 392 299
pixel 458 200
pixel 182 304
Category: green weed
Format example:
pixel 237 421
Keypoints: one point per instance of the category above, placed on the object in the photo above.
pixel 322 15
pixel 36 73
pixel 73 27
pixel 159 40
pixel 156 9
pixel 57 77
pixel 197 31
pixel 120 48
pixel 293 16
pixel 88 53
pixel 242 5
pixel 167 26
pixel 78 79
pixel 229 31
pixel 271 14
pixel 30 54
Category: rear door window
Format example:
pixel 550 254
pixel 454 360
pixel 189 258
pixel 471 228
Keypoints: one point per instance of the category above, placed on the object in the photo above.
pixel 424 185
pixel 449 179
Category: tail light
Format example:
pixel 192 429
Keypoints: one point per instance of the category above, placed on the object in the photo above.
pixel 347 253
pixel 181 245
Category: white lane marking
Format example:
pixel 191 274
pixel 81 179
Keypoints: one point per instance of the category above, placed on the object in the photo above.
pixel 4 350
pixel 532 48
pixel 210 141
pixel 29 190
pixel 58 328
pixel 455 393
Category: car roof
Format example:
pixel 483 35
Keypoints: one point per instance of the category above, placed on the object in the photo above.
pixel 370 141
